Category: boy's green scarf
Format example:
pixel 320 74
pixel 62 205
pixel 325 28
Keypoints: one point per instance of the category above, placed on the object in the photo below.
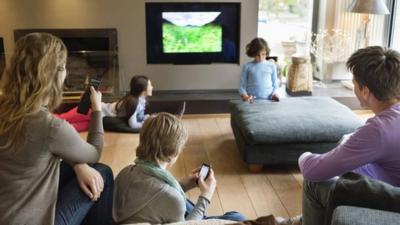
pixel 155 170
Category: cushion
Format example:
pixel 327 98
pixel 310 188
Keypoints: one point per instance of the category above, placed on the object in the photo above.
pixel 117 125
pixel 79 121
pixel 293 120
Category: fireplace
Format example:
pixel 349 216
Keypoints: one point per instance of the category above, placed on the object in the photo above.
pixel 90 52
pixel 2 57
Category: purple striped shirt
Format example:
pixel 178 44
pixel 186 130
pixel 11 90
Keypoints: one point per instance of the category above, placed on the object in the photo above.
pixel 372 150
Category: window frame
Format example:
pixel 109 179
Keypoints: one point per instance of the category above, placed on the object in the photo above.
pixel 389 35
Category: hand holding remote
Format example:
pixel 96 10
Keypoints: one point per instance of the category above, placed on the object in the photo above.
pixel 90 97
pixel 95 99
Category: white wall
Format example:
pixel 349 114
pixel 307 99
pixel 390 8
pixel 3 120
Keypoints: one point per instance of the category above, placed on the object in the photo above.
pixel 128 16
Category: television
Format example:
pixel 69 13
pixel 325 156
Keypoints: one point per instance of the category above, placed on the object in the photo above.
pixel 192 33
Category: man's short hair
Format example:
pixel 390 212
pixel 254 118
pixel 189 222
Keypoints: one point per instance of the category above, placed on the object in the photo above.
pixel 161 138
pixel 377 68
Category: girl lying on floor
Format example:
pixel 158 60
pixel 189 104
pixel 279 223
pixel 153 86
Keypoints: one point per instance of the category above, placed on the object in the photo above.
pixel 125 115
pixel 128 113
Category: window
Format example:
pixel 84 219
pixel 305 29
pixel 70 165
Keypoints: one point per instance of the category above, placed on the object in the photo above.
pixel 285 24
pixel 353 27
pixel 396 25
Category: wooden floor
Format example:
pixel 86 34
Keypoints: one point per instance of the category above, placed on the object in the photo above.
pixel 277 190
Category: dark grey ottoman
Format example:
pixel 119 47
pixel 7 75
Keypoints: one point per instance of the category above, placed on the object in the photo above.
pixel 269 133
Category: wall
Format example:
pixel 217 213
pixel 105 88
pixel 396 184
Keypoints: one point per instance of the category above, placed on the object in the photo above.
pixel 128 16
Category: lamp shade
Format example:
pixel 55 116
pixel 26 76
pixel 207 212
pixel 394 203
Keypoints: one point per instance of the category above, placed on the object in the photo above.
pixel 368 6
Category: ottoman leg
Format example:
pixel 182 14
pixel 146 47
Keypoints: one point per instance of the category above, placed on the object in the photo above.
pixel 255 168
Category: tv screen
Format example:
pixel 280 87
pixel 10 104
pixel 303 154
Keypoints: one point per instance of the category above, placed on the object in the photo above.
pixel 192 33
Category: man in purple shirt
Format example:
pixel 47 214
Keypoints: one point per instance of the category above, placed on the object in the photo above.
pixel 372 150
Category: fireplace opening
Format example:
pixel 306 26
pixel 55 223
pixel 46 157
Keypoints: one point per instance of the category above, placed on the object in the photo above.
pixel 90 52
pixel 2 57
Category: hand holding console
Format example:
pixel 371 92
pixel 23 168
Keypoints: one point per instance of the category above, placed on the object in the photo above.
pixel 207 183
pixel 204 171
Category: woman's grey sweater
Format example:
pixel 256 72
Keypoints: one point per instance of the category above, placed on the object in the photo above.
pixel 29 175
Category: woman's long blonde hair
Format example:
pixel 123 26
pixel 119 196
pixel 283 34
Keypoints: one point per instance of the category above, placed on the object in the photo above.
pixel 30 82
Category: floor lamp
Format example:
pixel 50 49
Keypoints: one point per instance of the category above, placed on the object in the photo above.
pixel 367 7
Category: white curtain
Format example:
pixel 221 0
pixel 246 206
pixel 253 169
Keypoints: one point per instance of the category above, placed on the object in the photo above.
pixel 349 22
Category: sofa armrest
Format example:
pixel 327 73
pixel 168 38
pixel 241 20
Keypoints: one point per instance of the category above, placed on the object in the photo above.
pixel 196 222
pixel 204 222
pixel 349 215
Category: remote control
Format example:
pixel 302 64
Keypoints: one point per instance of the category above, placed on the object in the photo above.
pixel 85 103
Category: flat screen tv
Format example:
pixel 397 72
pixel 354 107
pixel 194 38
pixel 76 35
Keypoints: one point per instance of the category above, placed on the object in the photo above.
pixel 192 33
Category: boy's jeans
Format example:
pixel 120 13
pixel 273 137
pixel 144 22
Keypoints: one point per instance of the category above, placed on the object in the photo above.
pixel 232 215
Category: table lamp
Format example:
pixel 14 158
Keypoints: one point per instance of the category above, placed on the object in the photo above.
pixel 367 7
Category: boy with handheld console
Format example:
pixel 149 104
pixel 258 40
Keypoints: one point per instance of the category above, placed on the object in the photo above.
pixel 147 192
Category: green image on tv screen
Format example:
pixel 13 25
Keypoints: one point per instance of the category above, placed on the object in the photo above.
pixel 191 32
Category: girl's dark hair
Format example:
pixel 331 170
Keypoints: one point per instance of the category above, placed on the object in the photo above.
pixel 255 46
pixel 126 106
pixel 377 68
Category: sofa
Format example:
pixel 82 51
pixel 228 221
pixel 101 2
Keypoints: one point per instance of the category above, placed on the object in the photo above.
pixel 350 215
pixel 201 222
pixel 360 200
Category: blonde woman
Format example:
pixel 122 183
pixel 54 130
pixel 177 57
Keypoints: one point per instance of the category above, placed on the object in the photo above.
pixel 147 192
pixel 36 187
